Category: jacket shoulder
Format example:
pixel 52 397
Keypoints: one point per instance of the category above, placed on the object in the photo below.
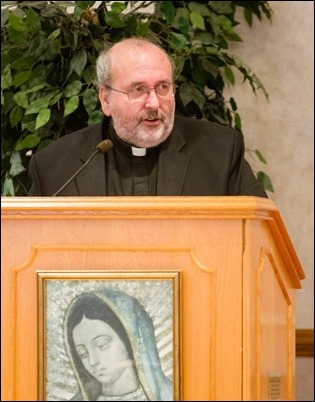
pixel 202 132
pixel 192 126
pixel 85 136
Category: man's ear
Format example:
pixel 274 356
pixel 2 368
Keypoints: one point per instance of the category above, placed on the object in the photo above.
pixel 103 97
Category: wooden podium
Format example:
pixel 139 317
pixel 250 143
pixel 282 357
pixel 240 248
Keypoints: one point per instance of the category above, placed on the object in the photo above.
pixel 237 274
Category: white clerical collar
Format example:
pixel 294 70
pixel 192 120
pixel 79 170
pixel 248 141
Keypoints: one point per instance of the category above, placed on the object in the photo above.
pixel 138 151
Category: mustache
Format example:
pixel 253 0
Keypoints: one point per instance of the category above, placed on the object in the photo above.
pixel 152 115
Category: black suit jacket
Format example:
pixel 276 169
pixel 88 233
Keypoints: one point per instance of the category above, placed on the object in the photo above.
pixel 199 158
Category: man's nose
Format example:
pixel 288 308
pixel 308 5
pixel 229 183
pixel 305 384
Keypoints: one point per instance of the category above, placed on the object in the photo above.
pixel 152 101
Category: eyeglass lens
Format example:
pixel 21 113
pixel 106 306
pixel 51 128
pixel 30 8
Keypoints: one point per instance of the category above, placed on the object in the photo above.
pixel 140 92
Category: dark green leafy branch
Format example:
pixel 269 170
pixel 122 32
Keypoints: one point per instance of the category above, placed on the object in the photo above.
pixel 48 55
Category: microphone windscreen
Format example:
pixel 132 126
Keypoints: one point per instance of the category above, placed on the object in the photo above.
pixel 104 146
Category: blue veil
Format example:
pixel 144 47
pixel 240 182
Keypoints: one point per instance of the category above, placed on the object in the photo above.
pixel 134 326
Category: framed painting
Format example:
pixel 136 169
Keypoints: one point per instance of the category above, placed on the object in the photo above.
pixel 108 336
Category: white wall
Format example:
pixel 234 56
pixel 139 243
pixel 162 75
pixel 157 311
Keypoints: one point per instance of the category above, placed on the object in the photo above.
pixel 282 55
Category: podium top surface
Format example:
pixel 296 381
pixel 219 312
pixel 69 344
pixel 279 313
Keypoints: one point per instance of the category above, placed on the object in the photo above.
pixel 235 207
pixel 158 208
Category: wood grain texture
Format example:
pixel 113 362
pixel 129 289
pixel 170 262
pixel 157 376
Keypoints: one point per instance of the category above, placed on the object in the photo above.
pixel 238 273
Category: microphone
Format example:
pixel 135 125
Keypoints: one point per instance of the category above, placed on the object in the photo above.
pixel 103 147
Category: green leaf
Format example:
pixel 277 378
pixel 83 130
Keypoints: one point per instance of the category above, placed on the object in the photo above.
pixel 222 7
pixel 95 117
pixel 48 50
pixel 28 123
pixel 90 100
pixel 78 62
pixel 21 99
pixel 54 34
pixel 89 73
pixel 168 10
pixel 205 38
pixel 142 29
pixel 16 23
pixel 237 122
pixel 189 93
pixel 260 156
pixel 210 68
pixel 30 141
pixel 263 178
pixel 21 77
pixel 16 164
pixel 42 118
pixel 181 14
pixel 55 98
pixel 233 104
pixel 197 20
pixel 18 38
pixel 248 15
pixel 183 26
pixel 73 88
pixel 37 105
pixel 229 74
pixel 16 115
pixel 85 4
pixel 33 21
pixel 198 8
pixel 8 187
pixel 6 78
pixel 71 105
pixel 218 118
pixel 36 88
pixel 78 10
pixel 38 77
pixel 179 66
pixel 215 23
pixel 9 104
pixel 199 74
pixel 4 16
pixel 75 40
pixel 24 62
pixel 178 41
pixel 114 20
pixel 117 7
pixel 226 23
pixel 233 36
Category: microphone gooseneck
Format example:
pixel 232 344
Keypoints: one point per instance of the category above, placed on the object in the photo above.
pixel 103 147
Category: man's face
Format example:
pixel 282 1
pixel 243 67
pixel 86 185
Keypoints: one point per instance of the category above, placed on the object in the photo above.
pixel 144 123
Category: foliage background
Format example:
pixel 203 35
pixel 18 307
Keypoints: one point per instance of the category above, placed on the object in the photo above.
pixel 48 56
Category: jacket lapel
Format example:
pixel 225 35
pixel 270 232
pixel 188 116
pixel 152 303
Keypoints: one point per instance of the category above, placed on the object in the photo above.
pixel 173 160
pixel 91 180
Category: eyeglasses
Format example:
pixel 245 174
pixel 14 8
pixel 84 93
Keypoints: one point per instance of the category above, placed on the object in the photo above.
pixel 139 93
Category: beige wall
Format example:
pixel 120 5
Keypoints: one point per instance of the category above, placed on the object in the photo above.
pixel 282 55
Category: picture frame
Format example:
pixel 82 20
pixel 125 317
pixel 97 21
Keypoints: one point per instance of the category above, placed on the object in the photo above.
pixel 128 319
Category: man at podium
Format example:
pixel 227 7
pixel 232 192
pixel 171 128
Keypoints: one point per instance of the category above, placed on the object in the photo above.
pixel 141 147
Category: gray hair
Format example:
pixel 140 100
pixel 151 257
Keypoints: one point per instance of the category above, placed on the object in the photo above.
pixel 103 62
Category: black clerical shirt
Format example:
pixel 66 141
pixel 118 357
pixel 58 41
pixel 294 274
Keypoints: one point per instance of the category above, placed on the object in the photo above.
pixel 129 170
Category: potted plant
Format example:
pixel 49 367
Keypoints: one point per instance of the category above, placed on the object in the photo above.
pixel 48 54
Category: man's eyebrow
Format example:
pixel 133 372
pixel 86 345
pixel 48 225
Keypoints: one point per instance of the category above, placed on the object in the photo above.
pixel 137 83
pixel 146 85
